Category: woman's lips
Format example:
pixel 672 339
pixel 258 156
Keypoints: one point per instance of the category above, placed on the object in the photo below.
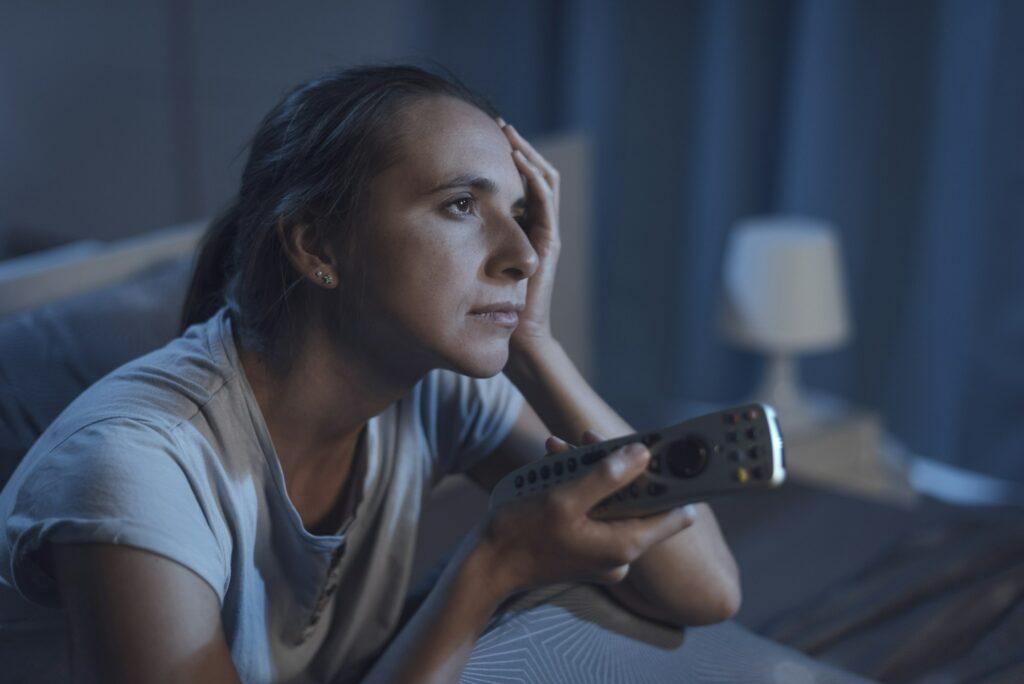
pixel 506 319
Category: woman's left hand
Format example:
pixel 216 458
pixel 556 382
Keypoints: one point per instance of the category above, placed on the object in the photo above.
pixel 542 190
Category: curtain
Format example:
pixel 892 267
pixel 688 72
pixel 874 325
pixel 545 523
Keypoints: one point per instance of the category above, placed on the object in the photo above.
pixel 899 122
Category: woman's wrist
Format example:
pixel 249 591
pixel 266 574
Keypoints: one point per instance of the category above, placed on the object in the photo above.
pixel 527 358
pixel 485 572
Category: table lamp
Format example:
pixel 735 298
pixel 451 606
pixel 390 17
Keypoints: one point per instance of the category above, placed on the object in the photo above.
pixel 784 295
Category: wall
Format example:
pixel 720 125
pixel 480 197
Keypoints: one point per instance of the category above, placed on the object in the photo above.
pixel 117 121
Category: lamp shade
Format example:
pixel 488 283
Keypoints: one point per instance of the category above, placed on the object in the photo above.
pixel 783 286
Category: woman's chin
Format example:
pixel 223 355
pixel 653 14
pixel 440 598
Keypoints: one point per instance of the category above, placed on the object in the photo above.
pixel 482 360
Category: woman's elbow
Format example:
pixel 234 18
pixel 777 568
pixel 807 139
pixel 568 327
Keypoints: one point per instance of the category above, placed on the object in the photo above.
pixel 720 605
pixel 730 601
pixel 730 591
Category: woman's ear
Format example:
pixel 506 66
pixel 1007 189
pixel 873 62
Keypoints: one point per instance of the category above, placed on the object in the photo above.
pixel 311 257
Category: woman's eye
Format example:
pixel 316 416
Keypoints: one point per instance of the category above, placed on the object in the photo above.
pixel 463 205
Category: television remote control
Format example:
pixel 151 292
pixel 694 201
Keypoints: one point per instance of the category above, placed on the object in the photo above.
pixel 718 454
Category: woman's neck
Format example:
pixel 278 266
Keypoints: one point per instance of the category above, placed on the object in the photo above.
pixel 317 409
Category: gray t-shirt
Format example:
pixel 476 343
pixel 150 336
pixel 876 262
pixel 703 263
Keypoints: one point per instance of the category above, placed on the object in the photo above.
pixel 170 454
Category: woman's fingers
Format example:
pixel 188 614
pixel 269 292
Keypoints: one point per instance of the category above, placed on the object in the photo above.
pixel 533 175
pixel 547 169
pixel 556 445
pixel 623 541
pixel 655 529
pixel 610 474
pixel 549 172
pixel 545 213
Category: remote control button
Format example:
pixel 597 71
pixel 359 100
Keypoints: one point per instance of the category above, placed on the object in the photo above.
pixel 741 475
pixel 654 465
pixel 634 490
pixel 531 476
pixel 519 481
pixel 731 436
pixel 757 472
pixel 753 453
pixel 735 456
pixel 651 439
pixel 571 464
pixel 732 418
pixel 545 472
pixel 558 468
pixel 752 415
pixel 687 457
pixel 752 433
pixel 620 495
pixel 593 456
pixel 656 488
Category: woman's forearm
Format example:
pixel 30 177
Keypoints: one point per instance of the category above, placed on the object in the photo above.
pixel 434 645
pixel 689 579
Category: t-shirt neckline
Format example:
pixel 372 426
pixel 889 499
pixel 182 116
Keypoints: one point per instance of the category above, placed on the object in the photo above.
pixel 366 447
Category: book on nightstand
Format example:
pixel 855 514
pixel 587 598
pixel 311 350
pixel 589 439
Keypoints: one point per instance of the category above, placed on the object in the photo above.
pixel 846 454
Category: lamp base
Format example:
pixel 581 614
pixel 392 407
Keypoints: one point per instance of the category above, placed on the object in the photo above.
pixel 795 412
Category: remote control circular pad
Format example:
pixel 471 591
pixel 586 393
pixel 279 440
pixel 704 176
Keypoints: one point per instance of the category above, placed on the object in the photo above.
pixel 688 457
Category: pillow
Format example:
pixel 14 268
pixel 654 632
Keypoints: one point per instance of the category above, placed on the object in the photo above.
pixel 50 354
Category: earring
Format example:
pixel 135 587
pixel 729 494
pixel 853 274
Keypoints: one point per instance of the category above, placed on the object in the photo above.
pixel 326 277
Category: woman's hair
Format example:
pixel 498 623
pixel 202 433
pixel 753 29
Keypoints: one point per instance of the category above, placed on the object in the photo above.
pixel 310 163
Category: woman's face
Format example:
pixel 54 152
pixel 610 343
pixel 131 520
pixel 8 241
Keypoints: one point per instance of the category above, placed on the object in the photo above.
pixel 443 240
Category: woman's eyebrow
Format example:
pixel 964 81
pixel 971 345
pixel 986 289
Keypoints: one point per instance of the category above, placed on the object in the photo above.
pixel 477 182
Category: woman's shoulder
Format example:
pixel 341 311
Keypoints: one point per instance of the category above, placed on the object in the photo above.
pixel 115 480
pixel 92 450
pixel 154 393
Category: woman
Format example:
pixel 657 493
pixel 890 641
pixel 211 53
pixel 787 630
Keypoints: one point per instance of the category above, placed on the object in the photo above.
pixel 242 503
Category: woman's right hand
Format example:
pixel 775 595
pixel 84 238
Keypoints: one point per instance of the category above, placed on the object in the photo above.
pixel 550 538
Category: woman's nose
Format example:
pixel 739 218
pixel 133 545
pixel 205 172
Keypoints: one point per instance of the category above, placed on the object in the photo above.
pixel 512 253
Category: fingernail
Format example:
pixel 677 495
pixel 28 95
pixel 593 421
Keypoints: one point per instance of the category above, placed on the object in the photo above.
pixel 636 451
pixel 690 511
pixel 501 122
pixel 625 459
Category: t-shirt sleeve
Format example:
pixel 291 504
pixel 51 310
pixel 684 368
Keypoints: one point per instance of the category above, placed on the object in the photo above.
pixel 115 482
pixel 469 417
